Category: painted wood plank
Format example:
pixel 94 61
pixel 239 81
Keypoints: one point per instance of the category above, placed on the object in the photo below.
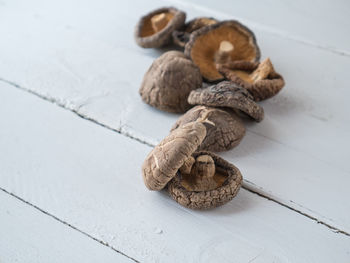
pixel 296 155
pixel 89 177
pixel 28 235
pixel 324 25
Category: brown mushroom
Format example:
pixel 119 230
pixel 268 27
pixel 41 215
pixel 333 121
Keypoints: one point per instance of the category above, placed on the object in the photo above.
pixel 220 43
pixel 198 180
pixel 182 35
pixel 224 129
pixel 154 29
pixel 168 82
pixel 227 94
pixel 211 183
pixel 164 161
pixel 261 80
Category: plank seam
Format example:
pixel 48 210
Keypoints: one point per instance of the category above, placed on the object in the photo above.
pixel 54 101
pixel 67 224
pixel 246 184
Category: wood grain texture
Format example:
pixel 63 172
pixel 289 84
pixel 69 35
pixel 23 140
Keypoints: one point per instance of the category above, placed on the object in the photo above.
pixel 27 235
pixel 298 155
pixel 90 177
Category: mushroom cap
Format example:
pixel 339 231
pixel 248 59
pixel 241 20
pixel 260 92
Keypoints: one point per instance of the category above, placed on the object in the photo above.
pixel 163 162
pixel 182 35
pixel 168 82
pixel 224 130
pixel 212 198
pixel 147 37
pixel 227 94
pixel 205 42
pixel 239 73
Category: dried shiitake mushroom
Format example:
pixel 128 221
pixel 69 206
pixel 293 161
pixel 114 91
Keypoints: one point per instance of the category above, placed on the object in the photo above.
pixel 154 29
pixel 182 35
pixel 164 161
pixel 211 182
pixel 198 180
pixel 221 43
pixel 168 82
pixel 227 94
pixel 224 129
pixel 260 79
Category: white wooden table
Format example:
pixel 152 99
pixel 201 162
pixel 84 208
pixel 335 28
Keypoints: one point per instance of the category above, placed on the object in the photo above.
pixel 74 133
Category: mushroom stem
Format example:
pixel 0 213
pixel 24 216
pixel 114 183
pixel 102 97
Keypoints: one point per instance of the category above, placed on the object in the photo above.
pixel 159 21
pixel 223 54
pixel 204 166
pixel 202 174
pixel 262 71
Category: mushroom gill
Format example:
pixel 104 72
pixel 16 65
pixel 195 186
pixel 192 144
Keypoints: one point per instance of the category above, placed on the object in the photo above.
pixel 221 43
pixel 155 23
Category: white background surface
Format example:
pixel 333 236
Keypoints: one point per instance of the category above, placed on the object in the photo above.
pixel 81 56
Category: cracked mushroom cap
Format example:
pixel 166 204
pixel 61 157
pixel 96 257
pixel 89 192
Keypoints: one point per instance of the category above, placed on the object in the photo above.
pixel 224 130
pixel 227 94
pixel 154 29
pixel 168 82
pixel 227 178
pixel 220 43
pixel 260 79
pixel 163 162
pixel 182 36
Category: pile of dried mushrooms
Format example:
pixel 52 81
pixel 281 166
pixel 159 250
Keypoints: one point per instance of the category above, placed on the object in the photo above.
pixel 215 81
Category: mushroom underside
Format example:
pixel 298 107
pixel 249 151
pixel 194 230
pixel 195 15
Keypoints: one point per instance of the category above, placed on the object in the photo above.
pixel 154 29
pixel 260 90
pixel 261 80
pixel 228 179
pixel 204 47
pixel 149 27
pixel 189 181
